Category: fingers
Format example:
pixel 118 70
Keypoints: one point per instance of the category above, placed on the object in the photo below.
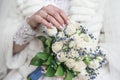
pixel 57 17
pixel 44 69
pixel 63 15
pixel 54 22
pixel 49 16
pixel 39 19
pixel 55 14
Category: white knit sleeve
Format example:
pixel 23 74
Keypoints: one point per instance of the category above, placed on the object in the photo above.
pixel 29 7
pixel 89 13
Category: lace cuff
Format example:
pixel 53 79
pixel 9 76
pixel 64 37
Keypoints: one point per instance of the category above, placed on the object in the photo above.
pixel 24 34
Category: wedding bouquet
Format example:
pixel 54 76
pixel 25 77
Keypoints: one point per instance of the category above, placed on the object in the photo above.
pixel 70 52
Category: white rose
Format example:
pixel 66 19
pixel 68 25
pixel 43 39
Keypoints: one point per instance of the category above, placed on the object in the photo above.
pixel 94 64
pixel 70 63
pixel 84 41
pixel 75 24
pixel 85 37
pixel 57 46
pixel 51 32
pixel 83 75
pixel 72 44
pixel 82 38
pixel 70 29
pixel 60 34
pixel 79 66
pixel 62 57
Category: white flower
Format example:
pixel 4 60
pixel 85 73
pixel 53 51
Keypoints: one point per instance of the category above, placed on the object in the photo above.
pixel 73 53
pixel 57 46
pixel 72 44
pixel 51 32
pixel 70 29
pixel 83 75
pixel 62 57
pixel 61 34
pixel 79 66
pixel 85 37
pixel 75 24
pixel 70 63
pixel 84 41
pixel 94 64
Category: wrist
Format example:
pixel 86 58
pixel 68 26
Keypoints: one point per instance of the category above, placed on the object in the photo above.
pixel 32 23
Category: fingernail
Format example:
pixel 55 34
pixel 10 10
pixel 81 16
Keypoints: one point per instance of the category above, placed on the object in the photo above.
pixel 61 27
pixel 51 25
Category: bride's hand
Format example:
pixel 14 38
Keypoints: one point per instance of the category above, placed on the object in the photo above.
pixel 48 16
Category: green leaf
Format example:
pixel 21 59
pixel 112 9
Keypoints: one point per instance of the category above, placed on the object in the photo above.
pixel 87 60
pixel 48 62
pixel 50 71
pixel 60 71
pixel 48 45
pixel 47 50
pixel 69 75
pixel 48 42
pixel 55 64
pixel 28 78
pixel 42 56
pixel 36 62
pixel 42 38
pixel 39 59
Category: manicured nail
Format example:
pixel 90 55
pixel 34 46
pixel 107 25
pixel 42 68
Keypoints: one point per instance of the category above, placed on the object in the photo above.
pixel 61 27
pixel 51 25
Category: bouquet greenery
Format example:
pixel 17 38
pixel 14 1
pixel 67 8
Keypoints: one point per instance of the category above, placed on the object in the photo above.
pixel 70 52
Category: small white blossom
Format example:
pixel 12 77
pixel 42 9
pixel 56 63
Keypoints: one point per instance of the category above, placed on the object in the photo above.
pixel 75 24
pixel 73 53
pixel 70 63
pixel 79 66
pixel 61 34
pixel 57 46
pixel 94 64
pixel 72 44
pixel 83 75
pixel 62 57
pixel 84 41
pixel 51 32
pixel 70 29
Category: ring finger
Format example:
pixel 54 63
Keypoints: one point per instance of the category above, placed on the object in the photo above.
pixel 54 22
